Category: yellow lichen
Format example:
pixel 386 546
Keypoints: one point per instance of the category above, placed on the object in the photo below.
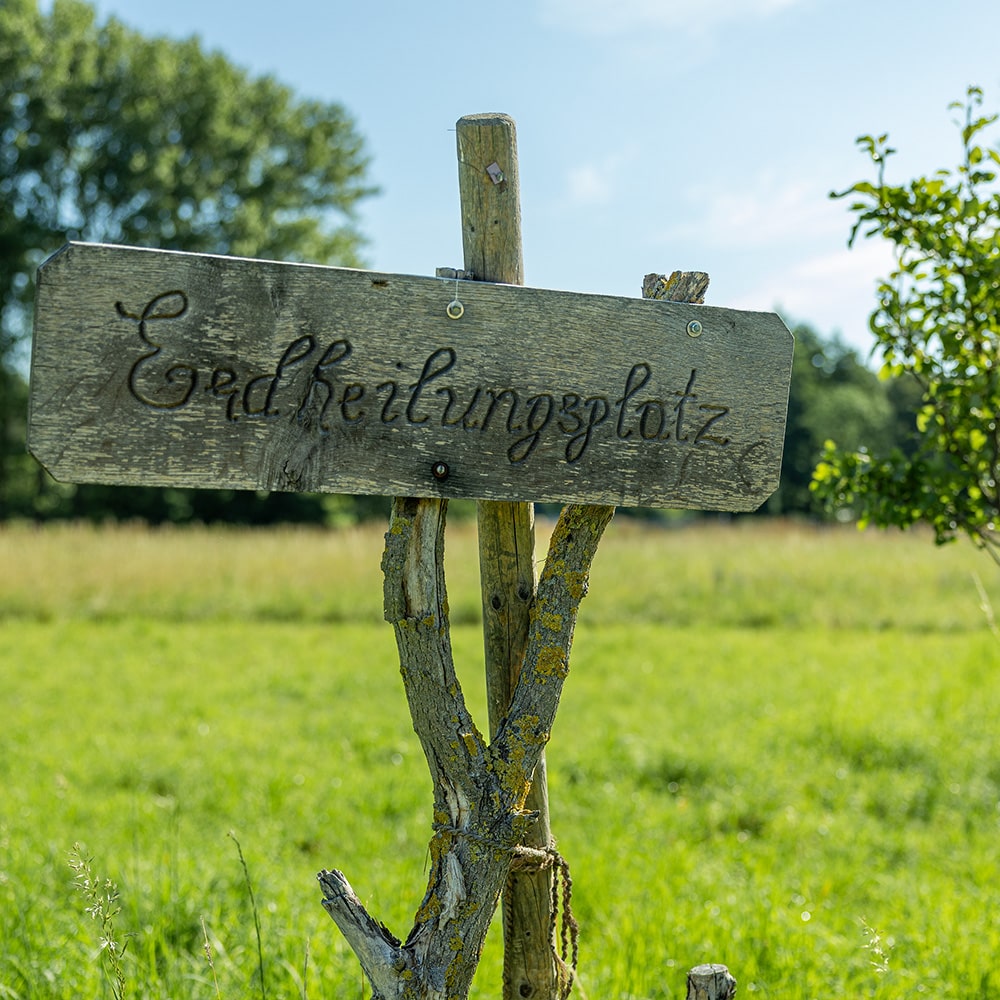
pixel 552 662
pixel 430 908
pixel 576 585
pixel 511 776
pixel 552 621
pixel 528 732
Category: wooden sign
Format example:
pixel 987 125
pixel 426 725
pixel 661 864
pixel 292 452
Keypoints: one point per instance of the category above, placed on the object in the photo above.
pixel 161 368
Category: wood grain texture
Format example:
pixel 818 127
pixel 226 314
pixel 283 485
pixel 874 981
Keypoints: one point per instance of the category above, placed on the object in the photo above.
pixel 710 982
pixel 160 368
pixel 679 286
pixel 491 205
pixel 491 237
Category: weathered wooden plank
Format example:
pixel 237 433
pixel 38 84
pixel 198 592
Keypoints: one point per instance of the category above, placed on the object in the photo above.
pixel 162 368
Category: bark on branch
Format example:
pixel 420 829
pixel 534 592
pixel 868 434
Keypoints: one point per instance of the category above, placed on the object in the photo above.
pixel 479 788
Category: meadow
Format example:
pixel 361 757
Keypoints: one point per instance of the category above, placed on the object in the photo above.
pixel 776 749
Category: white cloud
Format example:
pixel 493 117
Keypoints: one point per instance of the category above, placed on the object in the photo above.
pixel 587 184
pixel 770 210
pixel 787 233
pixel 597 182
pixel 832 291
pixel 619 17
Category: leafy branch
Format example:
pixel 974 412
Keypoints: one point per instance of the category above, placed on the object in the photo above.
pixel 937 322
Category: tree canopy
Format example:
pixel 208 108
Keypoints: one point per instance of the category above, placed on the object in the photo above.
pixel 110 136
pixel 937 323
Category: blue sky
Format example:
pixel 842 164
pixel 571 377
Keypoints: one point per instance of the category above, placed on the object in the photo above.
pixel 652 134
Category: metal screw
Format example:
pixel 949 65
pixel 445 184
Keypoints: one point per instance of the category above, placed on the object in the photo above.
pixel 440 470
pixel 694 328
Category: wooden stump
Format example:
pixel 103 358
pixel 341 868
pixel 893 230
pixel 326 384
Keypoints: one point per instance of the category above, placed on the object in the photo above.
pixel 710 982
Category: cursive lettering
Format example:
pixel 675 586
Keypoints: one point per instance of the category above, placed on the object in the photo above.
pixel 321 387
pixel 177 383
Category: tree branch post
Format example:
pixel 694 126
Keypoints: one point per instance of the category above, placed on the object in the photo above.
pixel 480 790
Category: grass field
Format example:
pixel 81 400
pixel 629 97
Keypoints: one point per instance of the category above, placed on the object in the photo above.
pixel 776 749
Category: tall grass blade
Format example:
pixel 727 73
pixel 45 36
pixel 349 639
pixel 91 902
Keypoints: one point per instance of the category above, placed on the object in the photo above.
pixel 256 916
pixel 211 961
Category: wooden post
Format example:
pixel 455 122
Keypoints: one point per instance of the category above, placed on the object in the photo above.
pixel 710 982
pixel 491 243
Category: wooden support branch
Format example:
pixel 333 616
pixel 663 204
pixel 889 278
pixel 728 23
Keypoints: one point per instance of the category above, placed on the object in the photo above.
pixel 561 587
pixel 479 790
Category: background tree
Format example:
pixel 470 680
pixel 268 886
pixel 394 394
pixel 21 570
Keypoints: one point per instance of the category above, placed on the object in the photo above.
pixel 833 392
pixel 108 136
pixel 937 323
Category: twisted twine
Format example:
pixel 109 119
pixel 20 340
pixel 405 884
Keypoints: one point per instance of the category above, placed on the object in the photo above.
pixel 562 926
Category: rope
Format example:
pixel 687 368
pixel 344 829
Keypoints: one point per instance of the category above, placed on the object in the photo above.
pixel 569 929
pixel 562 926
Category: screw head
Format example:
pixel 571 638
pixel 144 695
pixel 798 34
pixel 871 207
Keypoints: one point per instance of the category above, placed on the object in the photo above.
pixel 694 328
pixel 440 470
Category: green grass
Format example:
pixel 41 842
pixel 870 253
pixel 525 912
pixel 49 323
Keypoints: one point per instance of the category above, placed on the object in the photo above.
pixel 775 743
